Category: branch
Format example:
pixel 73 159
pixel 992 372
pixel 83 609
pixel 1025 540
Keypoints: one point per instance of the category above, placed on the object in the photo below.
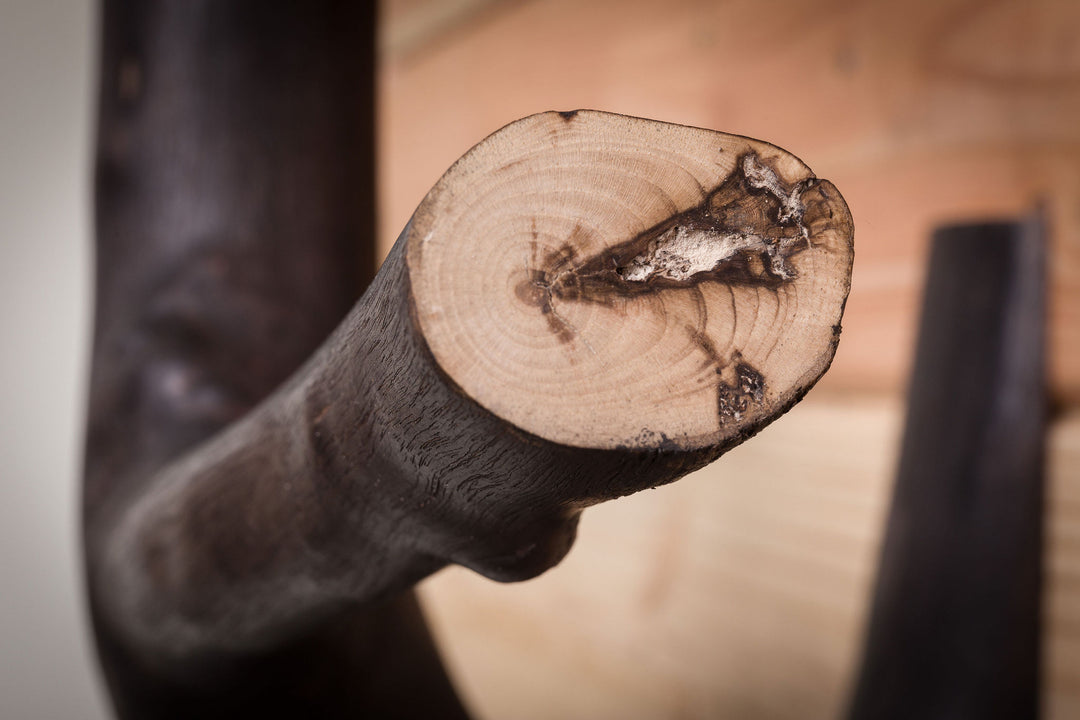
pixel 501 373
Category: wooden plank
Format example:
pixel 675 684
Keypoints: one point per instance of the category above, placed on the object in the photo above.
pixel 736 592
pixel 740 591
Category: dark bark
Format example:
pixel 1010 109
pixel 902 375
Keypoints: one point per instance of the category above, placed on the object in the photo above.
pixel 366 471
pixel 954 628
pixel 250 550
pixel 235 227
pixel 256 561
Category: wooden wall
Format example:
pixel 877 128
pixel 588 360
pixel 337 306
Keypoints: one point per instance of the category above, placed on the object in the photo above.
pixel 739 592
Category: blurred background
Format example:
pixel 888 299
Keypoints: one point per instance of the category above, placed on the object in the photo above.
pixel 740 591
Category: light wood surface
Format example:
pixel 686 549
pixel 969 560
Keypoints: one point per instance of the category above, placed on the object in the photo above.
pixel 737 592
pixel 920 113
pixel 1061 621
pixel 740 591
pixel 605 281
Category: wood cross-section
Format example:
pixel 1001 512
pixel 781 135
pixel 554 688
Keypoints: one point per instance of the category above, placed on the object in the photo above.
pixel 604 281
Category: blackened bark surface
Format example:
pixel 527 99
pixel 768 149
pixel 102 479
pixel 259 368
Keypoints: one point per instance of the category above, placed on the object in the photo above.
pixel 235 228
pixel 954 628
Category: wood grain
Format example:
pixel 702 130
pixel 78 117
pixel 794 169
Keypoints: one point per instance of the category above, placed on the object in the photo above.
pixel 267 565
pixel 740 591
pixel 610 282
pixel 922 113
pixel 736 592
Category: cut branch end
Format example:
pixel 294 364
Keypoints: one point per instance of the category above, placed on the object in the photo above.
pixel 601 281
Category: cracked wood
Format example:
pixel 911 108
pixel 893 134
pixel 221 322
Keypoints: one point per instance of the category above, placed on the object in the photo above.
pixel 689 289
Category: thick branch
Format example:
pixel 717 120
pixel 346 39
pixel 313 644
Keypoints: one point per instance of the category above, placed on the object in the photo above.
pixel 365 472
pixel 235 228
pixel 496 378
pixel 379 461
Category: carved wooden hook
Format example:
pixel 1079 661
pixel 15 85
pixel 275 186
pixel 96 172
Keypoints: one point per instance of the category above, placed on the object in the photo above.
pixel 584 306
